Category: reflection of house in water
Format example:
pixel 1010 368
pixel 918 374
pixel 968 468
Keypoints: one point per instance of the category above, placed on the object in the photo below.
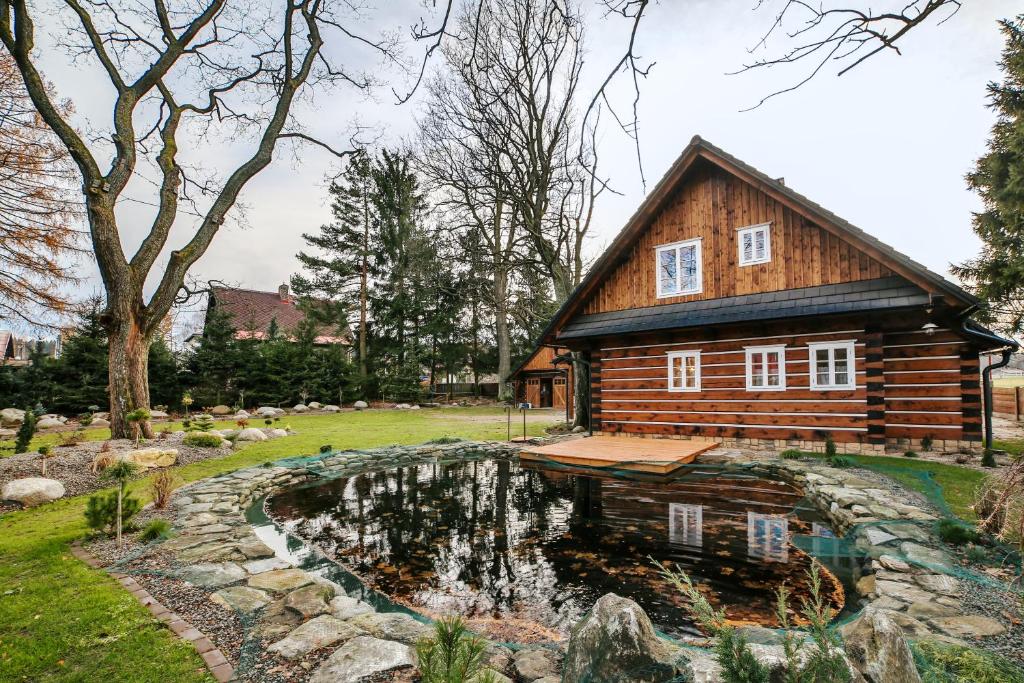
pixel 768 537
pixel 686 524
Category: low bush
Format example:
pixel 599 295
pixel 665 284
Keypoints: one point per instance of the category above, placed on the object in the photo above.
pixel 101 512
pixel 955 532
pixel 25 432
pixel 840 462
pixel 442 440
pixel 452 655
pixel 85 419
pixel 71 438
pixel 962 459
pixel 830 447
pixel 909 454
pixel 926 443
pixel 326 448
pixel 202 440
pixel 977 554
pixel 156 529
pixel 1000 505
pixel 988 458
pixel 161 486
pixel 791 454
pixel 202 423
pixel 942 663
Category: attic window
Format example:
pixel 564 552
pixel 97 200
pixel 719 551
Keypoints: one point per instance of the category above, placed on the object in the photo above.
pixel 678 268
pixel 755 244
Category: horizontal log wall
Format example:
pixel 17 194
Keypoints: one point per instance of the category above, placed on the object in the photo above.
pixel 908 385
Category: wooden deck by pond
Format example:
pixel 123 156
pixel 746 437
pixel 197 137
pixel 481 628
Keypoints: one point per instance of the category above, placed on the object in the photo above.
pixel 658 456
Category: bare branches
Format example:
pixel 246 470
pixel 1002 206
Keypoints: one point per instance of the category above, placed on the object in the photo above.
pixel 846 36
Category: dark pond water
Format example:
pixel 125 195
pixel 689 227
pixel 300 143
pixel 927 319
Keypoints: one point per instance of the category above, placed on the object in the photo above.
pixel 522 550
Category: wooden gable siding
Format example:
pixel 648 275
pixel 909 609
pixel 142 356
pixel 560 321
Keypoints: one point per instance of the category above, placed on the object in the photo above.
pixel 712 204
pixel 541 361
pixel 908 385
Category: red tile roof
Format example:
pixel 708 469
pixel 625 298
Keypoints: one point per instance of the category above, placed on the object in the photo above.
pixel 251 312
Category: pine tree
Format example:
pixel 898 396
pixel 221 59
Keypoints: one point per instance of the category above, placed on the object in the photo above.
pixel 997 274
pixel 216 360
pixel 339 271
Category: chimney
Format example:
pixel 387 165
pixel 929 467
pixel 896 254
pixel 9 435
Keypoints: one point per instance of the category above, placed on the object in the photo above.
pixel 780 181
pixel 282 292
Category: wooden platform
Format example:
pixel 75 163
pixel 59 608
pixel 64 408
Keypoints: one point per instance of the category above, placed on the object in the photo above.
pixel 658 456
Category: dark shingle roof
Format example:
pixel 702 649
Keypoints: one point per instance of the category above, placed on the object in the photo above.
pixel 846 297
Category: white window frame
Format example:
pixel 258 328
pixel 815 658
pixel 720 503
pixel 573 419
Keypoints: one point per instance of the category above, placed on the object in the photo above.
pixel 753 230
pixel 750 351
pixel 851 346
pixel 676 246
pixel 672 355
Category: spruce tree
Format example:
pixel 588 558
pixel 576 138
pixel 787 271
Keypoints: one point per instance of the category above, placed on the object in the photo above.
pixel 997 273
pixel 216 359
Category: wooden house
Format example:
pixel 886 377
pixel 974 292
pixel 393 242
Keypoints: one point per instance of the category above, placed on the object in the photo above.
pixel 541 383
pixel 730 306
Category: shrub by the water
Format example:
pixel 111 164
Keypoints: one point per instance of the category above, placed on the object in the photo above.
pixel 101 511
pixel 791 454
pixel 947 663
pixel 955 532
pixel 326 448
pixel 840 462
pixel 909 454
pixel 156 529
pixel 202 440
pixel 830 447
pixel 25 432
pixel 442 440
pixel 988 458
pixel 161 486
pixel 453 655
pixel 977 554
pixel 926 443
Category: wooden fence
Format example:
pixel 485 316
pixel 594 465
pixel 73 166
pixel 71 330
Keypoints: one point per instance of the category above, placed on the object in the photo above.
pixel 1008 402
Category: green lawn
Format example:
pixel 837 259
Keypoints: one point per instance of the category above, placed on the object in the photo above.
pixel 61 621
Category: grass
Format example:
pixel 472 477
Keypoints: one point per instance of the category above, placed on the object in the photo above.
pixel 62 621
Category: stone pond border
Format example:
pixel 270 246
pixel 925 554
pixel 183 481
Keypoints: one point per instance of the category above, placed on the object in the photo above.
pixel 299 612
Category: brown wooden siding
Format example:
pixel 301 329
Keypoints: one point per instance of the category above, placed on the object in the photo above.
pixel 711 205
pixel 908 385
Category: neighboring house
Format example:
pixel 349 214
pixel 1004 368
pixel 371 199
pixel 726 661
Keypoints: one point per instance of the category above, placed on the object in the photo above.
pixel 541 383
pixel 730 306
pixel 6 346
pixel 18 351
pixel 252 313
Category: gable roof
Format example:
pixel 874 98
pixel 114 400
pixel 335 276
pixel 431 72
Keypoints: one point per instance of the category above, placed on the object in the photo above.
pixel 700 149
pixel 251 311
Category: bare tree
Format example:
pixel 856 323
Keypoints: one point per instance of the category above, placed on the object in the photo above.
pixel 178 71
pixel 39 217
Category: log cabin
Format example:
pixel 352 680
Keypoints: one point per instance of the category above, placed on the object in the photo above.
pixel 732 307
pixel 541 383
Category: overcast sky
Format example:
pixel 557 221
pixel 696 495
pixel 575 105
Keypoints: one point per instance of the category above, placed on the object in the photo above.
pixel 885 146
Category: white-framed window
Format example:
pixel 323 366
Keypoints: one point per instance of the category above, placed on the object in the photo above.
pixel 678 268
pixel 684 371
pixel 755 244
pixel 832 365
pixel 766 368
pixel 686 524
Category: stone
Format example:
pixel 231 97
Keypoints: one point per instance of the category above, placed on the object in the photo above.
pixel 866 585
pixel 344 607
pixel 497 677
pixel 150 458
pixel 281 580
pixel 876 646
pixel 48 423
pixel 220 410
pixel 158 414
pixel 213 574
pixel 939 583
pixel 614 641
pixel 241 598
pixel 269 411
pixel 332 409
pixel 309 601
pixel 314 405
pixel 11 416
pixel 702 667
pixel 925 610
pixel 242 415
pixel 300 408
pixel 99 422
pixel 269 564
pixel 277 433
pixel 902 591
pixel 394 626
pixel 31 491
pixel 531 664
pixel 894 563
pixel 876 536
pixel 926 557
pixel 251 434
pixel 402 406
pixel 361 657
pixel 253 548
pixel 968 626
pixel 905 531
pixel 323 631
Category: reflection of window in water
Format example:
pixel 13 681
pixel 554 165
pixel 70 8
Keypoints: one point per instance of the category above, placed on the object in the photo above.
pixel 686 524
pixel 767 537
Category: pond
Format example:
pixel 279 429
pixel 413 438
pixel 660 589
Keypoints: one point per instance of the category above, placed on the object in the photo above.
pixel 523 552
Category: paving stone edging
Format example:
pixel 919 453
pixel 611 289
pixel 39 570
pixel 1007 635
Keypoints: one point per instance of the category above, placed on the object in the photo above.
pixel 215 660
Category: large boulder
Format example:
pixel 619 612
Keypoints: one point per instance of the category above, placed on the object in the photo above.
pixel 242 415
pixel 99 422
pixel 220 410
pixel 332 409
pixel 148 458
pixel 616 642
pixel 876 646
pixel 300 408
pixel 11 416
pixel 314 405
pixel 361 657
pixel 158 414
pixel 360 405
pixel 251 434
pixel 277 433
pixel 269 411
pixel 32 490
pixel 323 631
pixel 48 422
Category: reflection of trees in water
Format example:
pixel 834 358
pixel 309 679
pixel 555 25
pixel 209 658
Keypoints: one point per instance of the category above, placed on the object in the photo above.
pixel 490 538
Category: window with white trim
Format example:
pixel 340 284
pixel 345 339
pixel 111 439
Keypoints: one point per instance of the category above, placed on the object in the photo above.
pixel 755 244
pixel 832 365
pixel 684 371
pixel 766 368
pixel 679 268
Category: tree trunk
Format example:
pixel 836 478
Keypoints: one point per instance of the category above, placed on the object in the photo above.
pixel 502 336
pixel 581 393
pixel 120 495
pixel 129 376
pixel 363 286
